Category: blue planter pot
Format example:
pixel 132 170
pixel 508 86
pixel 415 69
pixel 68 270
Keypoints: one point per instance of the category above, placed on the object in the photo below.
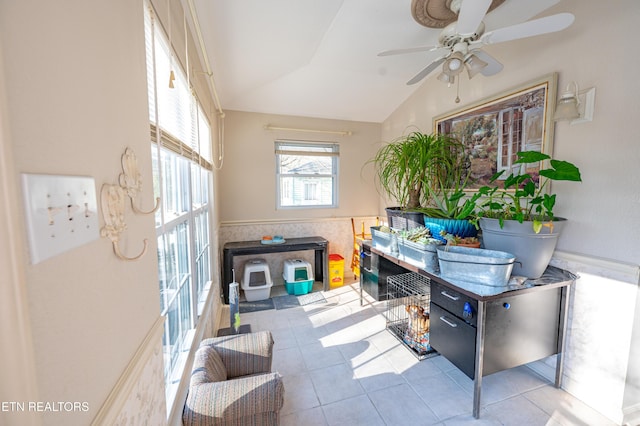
pixel 458 227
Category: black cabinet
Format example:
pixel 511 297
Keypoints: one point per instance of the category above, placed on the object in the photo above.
pixel 517 329
pixel 455 339
pixel 374 272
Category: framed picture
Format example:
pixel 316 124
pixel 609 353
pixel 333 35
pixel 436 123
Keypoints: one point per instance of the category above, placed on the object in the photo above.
pixel 495 129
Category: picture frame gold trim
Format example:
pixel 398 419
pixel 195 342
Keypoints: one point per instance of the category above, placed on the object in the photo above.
pixel 494 129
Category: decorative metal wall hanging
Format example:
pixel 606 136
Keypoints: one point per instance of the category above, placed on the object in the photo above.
pixel 112 203
pixel 131 180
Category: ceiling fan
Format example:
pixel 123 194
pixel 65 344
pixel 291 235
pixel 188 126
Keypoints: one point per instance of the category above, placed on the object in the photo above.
pixel 461 41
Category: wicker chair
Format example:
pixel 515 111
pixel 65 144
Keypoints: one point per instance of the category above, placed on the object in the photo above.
pixel 232 383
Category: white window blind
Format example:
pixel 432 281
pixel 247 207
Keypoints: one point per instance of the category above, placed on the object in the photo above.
pixel 181 155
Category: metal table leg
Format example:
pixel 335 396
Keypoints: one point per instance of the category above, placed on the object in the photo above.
pixel 562 333
pixel 477 377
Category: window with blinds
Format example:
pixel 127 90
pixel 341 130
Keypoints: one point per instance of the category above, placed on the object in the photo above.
pixel 181 152
pixel 307 174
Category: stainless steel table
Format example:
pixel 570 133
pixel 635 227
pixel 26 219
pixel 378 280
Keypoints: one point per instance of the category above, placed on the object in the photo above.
pixel 485 329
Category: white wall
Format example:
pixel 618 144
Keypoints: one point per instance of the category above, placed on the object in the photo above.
pixel 248 181
pixel 248 184
pixel 603 226
pixel 76 97
pixel 86 325
pixel 16 351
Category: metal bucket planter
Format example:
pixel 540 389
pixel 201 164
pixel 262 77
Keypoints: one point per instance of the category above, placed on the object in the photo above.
pixel 488 267
pixel 421 255
pixel 533 251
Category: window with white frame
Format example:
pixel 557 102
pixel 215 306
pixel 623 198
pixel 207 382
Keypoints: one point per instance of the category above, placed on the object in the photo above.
pixel 509 138
pixel 181 155
pixel 307 174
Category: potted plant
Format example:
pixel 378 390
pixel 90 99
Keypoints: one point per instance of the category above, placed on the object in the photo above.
pixel 405 172
pixel 450 207
pixel 518 217
pixel 454 240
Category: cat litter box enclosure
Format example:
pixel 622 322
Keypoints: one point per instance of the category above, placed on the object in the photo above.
pixel 257 281
pixel 298 276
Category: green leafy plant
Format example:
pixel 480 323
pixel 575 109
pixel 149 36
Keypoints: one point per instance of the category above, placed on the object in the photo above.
pixel 454 240
pixel 406 167
pixel 522 198
pixel 451 174
pixel 420 235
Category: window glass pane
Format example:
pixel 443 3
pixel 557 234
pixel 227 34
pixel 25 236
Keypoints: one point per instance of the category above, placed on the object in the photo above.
pixel 196 187
pixel 171 267
pixel 307 179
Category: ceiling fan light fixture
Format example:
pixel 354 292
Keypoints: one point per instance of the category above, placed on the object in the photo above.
pixel 446 78
pixel 454 64
pixel 567 107
pixel 474 64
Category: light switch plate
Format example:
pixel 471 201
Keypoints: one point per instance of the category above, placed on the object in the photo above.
pixel 61 213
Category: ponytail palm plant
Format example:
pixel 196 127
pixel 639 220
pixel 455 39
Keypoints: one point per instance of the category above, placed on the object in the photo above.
pixel 407 168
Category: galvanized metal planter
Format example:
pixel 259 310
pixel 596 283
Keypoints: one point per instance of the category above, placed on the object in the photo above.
pixel 488 267
pixel 533 251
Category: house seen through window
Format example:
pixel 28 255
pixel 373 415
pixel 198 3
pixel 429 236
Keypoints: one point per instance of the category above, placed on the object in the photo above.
pixel 307 174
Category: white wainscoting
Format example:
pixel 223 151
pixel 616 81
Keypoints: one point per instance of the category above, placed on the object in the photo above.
pixel 337 231
pixel 138 396
pixel 602 313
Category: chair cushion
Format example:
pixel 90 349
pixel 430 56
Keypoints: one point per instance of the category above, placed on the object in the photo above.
pixel 244 354
pixel 207 367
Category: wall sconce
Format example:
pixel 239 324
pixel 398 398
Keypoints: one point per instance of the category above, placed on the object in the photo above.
pixel 574 105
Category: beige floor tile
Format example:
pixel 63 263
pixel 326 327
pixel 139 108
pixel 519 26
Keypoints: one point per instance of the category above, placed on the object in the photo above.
pixel 518 411
pixel 342 367
pixel 335 383
pixel 377 373
pixel 288 361
pixel 400 405
pixel 316 355
pixel 299 394
pixel 444 396
pixel 311 417
pixel 356 411
pixel 564 408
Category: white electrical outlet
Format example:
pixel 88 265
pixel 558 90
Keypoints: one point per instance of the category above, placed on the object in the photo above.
pixel 61 213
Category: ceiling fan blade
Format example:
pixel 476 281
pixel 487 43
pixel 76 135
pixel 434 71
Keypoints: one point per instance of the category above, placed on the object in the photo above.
pixel 493 66
pixel 426 71
pixel 409 50
pixel 532 28
pixel 470 15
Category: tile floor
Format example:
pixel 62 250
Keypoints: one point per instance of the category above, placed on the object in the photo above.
pixel 341 367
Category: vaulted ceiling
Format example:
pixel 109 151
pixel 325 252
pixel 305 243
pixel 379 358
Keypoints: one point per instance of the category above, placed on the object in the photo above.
pixel 319 58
